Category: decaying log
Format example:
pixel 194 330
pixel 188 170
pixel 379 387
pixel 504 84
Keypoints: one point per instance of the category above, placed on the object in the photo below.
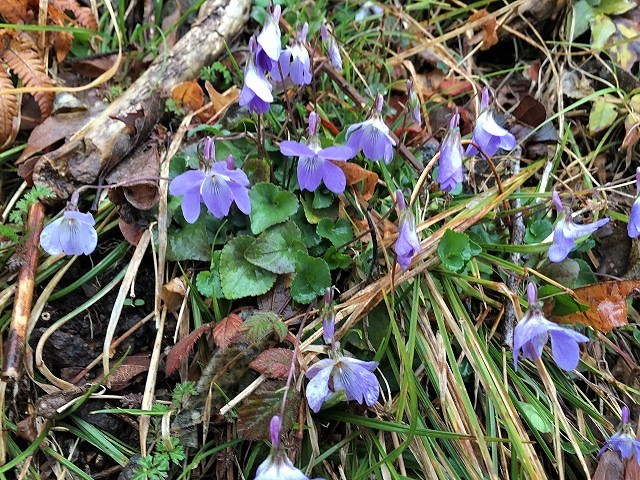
pixel 106 139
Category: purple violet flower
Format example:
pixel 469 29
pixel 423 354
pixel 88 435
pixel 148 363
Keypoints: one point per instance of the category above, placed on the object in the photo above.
pixel 277 466
pixel 566 231
pixel 314 162
pixel 413 104
pixel 533 331
pixel 372 136
pixel 256 91
pixel 294 61
pixel 217 187
pixel 269 42
pixel 331 46
pixel 353 375
pixel 450 173
pixel 633 227
pixel 407 244
pixel 487 134
pixel 71 234
pixel 624 440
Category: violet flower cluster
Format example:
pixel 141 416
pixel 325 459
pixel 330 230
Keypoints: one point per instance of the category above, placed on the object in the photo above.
pixel 487 134
pixel 277 466
pixel 372 136
pixel 339 372
pixel 624 440
pixel 315 163
pixel 633 227
pixel 294 62
pixel 533 331
pixel 566 231
pixel 72 234
pixel 217 186
pixel 407 244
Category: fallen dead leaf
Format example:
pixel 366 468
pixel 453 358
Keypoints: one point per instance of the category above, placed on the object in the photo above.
pixel 607 304
pixel 226 330
pixel 190 94
pixel 355 174
pixel 488 36
pixel 173 293
pixel 181 349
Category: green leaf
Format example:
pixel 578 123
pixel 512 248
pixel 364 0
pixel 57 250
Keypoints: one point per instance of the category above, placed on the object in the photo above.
pixel 239 277
pixel 538 231
pixel 335 259
pixel 582 14
pixel 208 283
pixel 602 27
pixel 311 280
pixel 456 249
pixel 537 421
pixel 309 236
pixel 616 7
pixel 262 324
pixel 257 170
pixel 602 115
pixel 338 233
pixel 270 206
pixel 189 242
pixel 322 198
pixel 563 303
pixel 276 248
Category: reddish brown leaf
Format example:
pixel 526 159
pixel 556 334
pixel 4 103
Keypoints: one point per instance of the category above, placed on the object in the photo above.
pixel 610 467
pixel 452 88
pixel 26 61
pixel 225 330
pixel 181 349
pixel 632 472
pixel 130 368
pixel 488 37
pixel 173 292
pixel 13 11
pixel 84 15
pixel 190 94
pixel 355 173
pixel 530 111
pixel 9 120
pixel 607 302
pixel 274 363
pixel 62 43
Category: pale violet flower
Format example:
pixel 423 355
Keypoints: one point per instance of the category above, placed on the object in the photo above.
pixel 269 42
pixel 368 8
pixel 71 234
pixel 372 136
pixel 337 373
pixel 633 227
pixel 533 331
pixel 413 103
pixel 217 186
pixel 315 163
pixel 331 47
pixel 277 466
pixel 624 440
pixel 256 91
pixel 294 61
pixel 487 134
pixel 450 173
pixel 407 244
pixel 566 231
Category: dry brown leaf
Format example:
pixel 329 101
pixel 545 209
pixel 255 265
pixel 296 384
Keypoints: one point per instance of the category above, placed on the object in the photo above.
pixel 274 363
pixel 83 15
pixel 9 119
pixel 219 100
pixel 488 37
pixel 181 349
pixel 190 94
pixel 607 302
pixel 13 11
pixel 24 59
pixel 62 43
pixel 355 174
pixel 610 467
pixel 173 293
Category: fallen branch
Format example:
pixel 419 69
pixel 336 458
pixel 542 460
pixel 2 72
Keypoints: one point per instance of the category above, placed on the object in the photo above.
pixel 24 295
pixel 107 139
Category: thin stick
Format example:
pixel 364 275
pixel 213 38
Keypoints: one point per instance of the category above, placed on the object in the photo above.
pixel 24 295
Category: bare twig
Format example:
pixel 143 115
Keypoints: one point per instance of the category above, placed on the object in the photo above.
pixel 24 295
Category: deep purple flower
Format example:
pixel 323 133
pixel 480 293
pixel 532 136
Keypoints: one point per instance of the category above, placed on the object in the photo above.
pixel 269 42
pixel 413 104
pixel 218 187
pixel 487 134
pixel 624 440
pixel 450 173
pixel 633 227
pixel 277 466
pixel 372 136
pixel 533 331
pixel 566 231
pixel 314 162
pixel 331 47
pixel 71 234
pixel 350 374
pixel 256 91
pixel 294 61
pixel 407 244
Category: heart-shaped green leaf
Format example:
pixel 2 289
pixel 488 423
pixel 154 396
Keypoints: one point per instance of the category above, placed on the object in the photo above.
pixel 276 248
pixel 311 280
pixel 239 277
pixel 270 206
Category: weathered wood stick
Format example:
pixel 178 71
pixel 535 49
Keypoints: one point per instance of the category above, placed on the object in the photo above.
pixel 24 295
pixel 105 140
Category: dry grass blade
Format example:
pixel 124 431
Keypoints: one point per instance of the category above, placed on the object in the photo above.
pixel 26 61
pixel 9 119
